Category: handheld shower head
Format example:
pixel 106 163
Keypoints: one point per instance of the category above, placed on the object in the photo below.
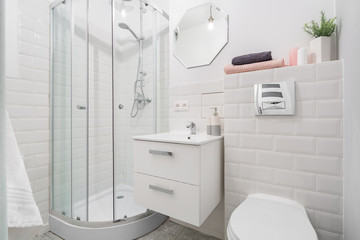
pixel 125 26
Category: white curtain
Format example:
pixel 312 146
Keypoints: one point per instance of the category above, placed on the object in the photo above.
pixel 3 198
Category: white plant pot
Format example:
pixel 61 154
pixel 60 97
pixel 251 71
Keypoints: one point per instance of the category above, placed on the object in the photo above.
pixel 320 49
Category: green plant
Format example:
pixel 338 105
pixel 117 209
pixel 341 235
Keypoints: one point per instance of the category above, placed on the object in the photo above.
pixel 325 28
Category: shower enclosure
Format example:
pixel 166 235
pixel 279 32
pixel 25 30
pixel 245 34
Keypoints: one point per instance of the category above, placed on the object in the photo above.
pixel 109 81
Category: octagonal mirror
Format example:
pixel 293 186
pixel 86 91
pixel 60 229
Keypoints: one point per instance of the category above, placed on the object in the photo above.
pixel 200 35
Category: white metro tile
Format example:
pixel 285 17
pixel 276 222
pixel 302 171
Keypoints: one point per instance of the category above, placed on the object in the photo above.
pixel 184 89
pixel 295 179
pixel 311 215
pixel 263 142
pixel 303 73
pixel 248 79
pixel 230 140
pixel 275 190
pixel 240 125
pixel 328 235
pixel 332 70
pixel 318 127
pixel 237 185
pixel 317 164
pixel 231 111
pixel 305 109
pixel 246 110
pixel 329 108
pixel 317 201
pixel 276 126
pixel 234 199
pixel 255 173
pixel 317 90
pixel 243 95
pixel 294 144
pixel 329 146
pixel 231 81
pixel 274 159
pixel 231 169
pixel 329 222
pixel 237 155
pixel 329 184
pixel 216 99
pixel 211 86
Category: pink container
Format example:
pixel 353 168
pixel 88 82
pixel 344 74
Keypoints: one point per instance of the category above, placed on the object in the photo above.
pixel 293 56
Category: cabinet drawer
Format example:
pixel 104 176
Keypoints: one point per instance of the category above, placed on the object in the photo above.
pixel 166 160
pixel 178 200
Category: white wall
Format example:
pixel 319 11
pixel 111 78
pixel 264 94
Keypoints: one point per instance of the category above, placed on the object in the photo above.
pixel 27 94
pixel 297 157
pixel 349 38
pixel 3 198
pixel 254 26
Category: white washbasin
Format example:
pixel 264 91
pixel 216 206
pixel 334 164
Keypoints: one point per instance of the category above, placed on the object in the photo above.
pixel 179 137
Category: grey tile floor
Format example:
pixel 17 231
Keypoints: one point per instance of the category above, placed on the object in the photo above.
pixel 168 231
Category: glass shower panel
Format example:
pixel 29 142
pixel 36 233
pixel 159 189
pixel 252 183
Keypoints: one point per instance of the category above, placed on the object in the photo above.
pixel 127 51
pixel 100 112
pixel 79 109
pixel 61 109
pixel 134 60
pixel 161 70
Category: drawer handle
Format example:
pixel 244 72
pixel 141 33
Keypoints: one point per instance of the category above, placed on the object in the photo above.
pixel 164 153
pixel 164 190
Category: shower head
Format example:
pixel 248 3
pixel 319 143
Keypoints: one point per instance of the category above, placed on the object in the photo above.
pixel 125 26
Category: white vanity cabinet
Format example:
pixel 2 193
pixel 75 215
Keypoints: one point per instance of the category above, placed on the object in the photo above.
pixel 177 176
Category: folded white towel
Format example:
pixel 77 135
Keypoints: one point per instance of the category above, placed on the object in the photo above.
pixel 22 209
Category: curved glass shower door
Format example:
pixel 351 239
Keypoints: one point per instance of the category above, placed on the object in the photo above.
pixel 61 109
pixel 69 110
pixel 140 38
pixel 100 70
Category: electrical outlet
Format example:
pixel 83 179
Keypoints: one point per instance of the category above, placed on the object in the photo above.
pixel 182 106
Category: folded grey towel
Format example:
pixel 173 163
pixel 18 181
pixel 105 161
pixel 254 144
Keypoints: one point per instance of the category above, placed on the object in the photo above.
pixel 252 58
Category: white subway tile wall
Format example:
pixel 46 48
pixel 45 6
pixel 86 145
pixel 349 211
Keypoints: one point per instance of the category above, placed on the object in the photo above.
pixel 297 157
pixel 28 97
pixel 200 97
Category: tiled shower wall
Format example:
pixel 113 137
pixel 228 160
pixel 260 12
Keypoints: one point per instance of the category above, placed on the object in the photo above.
pixel 28 97
pixel 126 64
pixel 297 157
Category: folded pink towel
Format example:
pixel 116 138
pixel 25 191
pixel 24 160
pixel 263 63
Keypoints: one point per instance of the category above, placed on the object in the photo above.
pixel 231 69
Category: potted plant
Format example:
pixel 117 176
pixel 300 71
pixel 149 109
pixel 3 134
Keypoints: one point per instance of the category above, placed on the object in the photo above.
pixel 320 47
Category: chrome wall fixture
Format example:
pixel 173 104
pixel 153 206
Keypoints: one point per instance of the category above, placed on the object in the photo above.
pixel 274 98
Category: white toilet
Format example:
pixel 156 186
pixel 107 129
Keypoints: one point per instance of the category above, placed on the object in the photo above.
pixel 268 217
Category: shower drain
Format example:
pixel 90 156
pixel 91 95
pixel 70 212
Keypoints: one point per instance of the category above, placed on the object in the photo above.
pixel 120 197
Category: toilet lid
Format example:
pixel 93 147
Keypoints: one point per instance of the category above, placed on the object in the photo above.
pixel 263 216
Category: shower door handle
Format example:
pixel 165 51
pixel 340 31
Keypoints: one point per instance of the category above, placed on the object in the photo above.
pixel 80 107
pixel 160 189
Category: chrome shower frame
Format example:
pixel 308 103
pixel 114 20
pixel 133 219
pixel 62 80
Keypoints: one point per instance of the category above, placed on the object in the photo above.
pixel 71 229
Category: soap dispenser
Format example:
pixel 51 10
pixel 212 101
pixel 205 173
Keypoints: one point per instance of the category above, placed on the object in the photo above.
pixel 208 126
pixel 215 123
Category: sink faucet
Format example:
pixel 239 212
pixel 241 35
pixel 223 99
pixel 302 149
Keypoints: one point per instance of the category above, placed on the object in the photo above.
pixel 192 127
